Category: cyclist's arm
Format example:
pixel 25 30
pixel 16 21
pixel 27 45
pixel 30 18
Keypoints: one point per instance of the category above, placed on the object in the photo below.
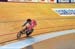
pixel 24 24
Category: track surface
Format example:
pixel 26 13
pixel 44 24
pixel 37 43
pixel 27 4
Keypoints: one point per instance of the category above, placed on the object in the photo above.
pixel 13 15
pixel 61 42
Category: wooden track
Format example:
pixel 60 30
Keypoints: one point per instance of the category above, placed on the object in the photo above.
pixel 13 15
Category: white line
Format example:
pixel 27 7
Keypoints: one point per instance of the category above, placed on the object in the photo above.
pixel 35 39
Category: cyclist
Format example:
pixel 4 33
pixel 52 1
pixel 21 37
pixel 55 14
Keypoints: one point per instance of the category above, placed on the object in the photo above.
pixel 30 24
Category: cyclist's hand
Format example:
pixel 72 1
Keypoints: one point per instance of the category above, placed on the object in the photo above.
pixel 22 25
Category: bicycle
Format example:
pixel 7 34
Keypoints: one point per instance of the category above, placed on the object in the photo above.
pixel 24 31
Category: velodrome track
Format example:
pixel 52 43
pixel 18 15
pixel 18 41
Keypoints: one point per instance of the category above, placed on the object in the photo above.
pixel 54 40
pixel 13 15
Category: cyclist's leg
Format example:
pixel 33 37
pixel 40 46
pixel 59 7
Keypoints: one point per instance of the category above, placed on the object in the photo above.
pixel 30 32
pixel 27 32
pixel 24 30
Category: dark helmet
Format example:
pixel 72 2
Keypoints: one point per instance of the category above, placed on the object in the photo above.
pixel 28 20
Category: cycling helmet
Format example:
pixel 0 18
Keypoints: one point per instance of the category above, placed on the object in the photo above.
pixel 28 20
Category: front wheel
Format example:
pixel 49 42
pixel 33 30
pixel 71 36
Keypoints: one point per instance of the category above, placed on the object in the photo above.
pixel 19 35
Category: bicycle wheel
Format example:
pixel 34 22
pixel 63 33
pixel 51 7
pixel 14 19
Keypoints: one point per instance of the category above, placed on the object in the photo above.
pixel 19 35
